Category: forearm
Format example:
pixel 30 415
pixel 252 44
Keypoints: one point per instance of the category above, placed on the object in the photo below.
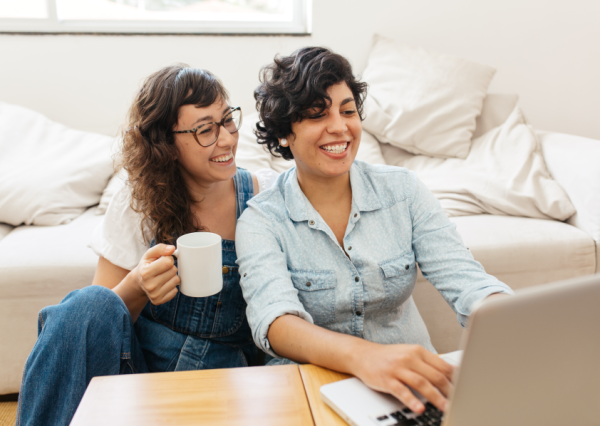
pixel 134 298
pixel 296 339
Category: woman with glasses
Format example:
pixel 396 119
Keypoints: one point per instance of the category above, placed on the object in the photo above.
pixel 329 255
pixel 178 151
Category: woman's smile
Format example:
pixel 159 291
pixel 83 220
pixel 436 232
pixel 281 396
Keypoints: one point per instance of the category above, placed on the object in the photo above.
pixel 223 159
pixel 336 150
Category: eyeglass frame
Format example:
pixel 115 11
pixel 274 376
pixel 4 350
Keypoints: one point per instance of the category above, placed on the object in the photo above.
pixel 219 124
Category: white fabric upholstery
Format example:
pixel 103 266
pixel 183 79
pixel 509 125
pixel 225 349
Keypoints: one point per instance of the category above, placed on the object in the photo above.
pixel 504 174
pixel 5 230
pixel 39 266
pixel 116 182
pixel 574 162
pixel 49 174
pixel 520 252
pixel 421 101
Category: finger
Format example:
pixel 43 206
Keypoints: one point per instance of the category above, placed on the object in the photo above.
pixel 405 396
pixel 435 377
pixel 154 285
pixel 424 387
pixel 171 291
pixel 171 281
pixel 157 251
pixel 158 267
pixel 438 363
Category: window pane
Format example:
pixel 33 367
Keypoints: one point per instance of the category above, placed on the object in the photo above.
pixel 176 10
pixel 26 9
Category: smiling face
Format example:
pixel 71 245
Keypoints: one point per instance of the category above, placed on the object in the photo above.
pixel 209 164
pixel 324 144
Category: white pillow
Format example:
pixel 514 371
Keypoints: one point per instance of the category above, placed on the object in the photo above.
pixel 421 101
pixel 504 174
pixel 496 109
pixel 253 156
pixel 114 185
pixel 49 174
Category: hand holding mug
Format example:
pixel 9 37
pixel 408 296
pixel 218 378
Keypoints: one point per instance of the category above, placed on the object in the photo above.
pixel 157 274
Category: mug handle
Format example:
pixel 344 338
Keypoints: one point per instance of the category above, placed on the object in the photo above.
pixel 176 253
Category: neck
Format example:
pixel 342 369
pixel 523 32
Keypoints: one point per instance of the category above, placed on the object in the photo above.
pixel 324 191
pixel 207 195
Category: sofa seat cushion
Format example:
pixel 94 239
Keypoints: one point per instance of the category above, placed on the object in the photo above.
pixel 520 252
pixel 48 261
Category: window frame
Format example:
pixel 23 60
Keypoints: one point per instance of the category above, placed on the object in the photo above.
pixel 301 24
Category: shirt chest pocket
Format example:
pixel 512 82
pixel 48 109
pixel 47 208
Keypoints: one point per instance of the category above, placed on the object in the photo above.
pixel 398 279
pixel 316 291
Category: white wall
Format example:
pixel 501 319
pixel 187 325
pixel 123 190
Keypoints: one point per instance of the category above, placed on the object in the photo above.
pixel 547 51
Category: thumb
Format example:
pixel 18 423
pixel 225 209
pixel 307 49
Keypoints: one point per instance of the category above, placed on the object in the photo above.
pixel 158 251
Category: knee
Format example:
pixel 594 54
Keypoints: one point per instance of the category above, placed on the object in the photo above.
pixel 94 305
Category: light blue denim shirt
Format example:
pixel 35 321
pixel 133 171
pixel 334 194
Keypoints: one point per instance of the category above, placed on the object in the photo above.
pixel 291 263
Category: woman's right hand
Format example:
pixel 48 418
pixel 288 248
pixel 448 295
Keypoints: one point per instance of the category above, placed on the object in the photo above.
pixel 392 368
pixel 156 274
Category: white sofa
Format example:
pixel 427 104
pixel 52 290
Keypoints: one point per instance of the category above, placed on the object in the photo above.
pixel 39 265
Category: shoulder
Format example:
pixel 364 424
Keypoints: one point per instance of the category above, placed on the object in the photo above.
pixel 390 183
pixel 264 179
pixel 269 203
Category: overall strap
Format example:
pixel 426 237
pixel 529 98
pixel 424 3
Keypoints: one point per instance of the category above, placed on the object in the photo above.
pixel 244 189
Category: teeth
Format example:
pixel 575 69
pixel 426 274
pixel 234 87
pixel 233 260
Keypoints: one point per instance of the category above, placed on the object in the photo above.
pixel 223 158
pixel 335 149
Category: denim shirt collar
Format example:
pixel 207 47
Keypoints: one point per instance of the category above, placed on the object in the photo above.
pixel 364 196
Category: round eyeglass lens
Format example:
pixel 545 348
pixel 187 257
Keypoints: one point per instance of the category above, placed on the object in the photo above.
pixel 207 134
pixel 233 121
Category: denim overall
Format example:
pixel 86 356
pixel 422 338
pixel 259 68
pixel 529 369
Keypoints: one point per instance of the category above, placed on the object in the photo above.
pixel 90 333
pixel 220 318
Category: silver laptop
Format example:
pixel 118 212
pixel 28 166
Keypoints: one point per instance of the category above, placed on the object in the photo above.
pixel 531 359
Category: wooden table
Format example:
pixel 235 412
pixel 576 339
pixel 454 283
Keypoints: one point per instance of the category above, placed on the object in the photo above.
pixel 314 377
pixel 236 396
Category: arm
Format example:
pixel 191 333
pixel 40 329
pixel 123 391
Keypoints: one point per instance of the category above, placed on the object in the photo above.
pixel 154 278
pixel 443 258
pixel 282 327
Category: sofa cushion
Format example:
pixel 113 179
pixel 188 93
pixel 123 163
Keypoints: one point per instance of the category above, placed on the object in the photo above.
pixel 49 173
pixel 5 230
pixel 424 102
pixel 48 261
pixel 520 252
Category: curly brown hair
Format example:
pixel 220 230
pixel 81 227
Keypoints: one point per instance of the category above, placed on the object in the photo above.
pixel 158 191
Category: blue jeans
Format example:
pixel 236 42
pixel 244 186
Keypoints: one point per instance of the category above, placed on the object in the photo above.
pixel 89 334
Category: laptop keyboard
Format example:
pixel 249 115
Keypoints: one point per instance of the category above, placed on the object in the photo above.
pixel 430 417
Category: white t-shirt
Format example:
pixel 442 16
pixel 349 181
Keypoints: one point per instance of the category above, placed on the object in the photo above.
pixel 118 238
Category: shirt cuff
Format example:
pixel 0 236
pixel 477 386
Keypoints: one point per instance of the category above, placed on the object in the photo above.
pixel 275 311
pixel 465 305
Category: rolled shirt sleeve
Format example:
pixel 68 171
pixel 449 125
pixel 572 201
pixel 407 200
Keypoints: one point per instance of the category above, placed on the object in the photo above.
pixel 264 276
pixel 443 258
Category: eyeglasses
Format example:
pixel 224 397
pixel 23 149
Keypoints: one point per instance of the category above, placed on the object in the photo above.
pixel 208 133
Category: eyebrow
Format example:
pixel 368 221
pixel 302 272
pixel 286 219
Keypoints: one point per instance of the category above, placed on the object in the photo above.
pixel 347 100
pixel 210 117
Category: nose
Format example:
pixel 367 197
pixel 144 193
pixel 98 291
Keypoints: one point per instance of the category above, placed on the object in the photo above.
pixel 336 123
pixel 225 138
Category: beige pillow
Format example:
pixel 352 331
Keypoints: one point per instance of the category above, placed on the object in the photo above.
pixel 496 109
pixel 49 173
pixel 422 101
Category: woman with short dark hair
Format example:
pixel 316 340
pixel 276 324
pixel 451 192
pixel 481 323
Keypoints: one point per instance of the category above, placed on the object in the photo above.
pixel 328 255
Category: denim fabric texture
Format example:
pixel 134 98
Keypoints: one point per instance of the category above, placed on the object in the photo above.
pixel 90 333
pixel 291 262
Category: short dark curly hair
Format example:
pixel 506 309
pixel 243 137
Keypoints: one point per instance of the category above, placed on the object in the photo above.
pixel 293 84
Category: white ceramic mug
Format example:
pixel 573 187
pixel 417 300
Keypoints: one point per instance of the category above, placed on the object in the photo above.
pixel 199 264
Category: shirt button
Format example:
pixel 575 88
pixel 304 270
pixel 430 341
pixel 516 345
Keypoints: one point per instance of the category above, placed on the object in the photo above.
pixel 350 248
pixel 355 214
pixel 358 313
pixel 406 267
pixel 245 273
pixel 312 222
pixel 308 284
pixel 225 270
pixel 356 279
